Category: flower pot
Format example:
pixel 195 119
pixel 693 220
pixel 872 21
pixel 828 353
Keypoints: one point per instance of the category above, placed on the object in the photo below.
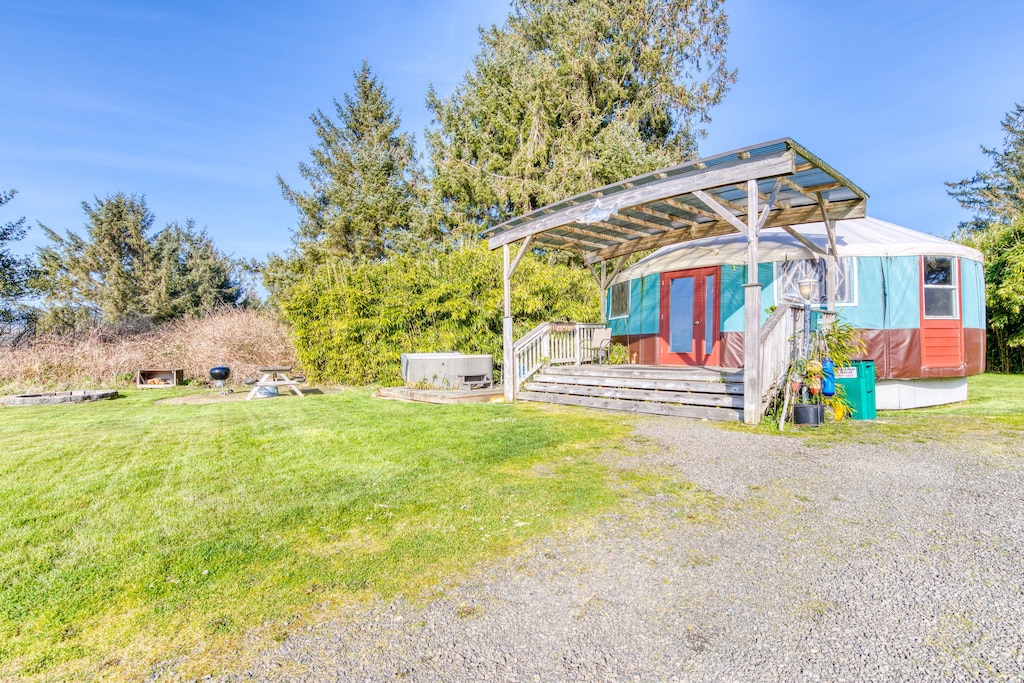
pixel 808 414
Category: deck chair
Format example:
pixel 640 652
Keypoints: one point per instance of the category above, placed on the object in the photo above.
pixel 600 345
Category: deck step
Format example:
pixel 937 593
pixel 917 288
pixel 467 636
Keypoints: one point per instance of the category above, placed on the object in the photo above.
pixel 658 396
pixel 696 392
pixel 642 383
pixel 646 407
pixel 647 372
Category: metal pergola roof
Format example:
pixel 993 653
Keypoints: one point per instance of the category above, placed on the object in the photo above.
pixel 697 199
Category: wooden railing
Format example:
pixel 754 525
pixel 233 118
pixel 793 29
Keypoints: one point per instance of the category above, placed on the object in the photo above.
pixel 781 340
pixel 552 344
pixel 779 345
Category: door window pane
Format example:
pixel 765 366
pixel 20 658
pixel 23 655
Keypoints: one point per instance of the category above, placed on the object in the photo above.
pixel 681 315
pixel 939 303
pixel 709 313
pixel 940 287
pixel 938 270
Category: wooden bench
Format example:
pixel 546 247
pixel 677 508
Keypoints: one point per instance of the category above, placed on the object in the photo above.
pixel 269 379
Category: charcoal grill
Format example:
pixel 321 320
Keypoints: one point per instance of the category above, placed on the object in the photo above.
pixel 220 375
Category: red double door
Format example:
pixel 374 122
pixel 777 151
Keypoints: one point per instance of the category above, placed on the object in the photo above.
pixel 690 317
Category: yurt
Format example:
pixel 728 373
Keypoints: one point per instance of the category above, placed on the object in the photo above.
pixel 918 301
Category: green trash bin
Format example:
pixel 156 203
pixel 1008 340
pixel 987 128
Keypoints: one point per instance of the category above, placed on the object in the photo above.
pixel 859 382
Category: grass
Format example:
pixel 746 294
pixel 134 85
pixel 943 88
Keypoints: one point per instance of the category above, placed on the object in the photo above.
pixel 994 408
pixel 133 532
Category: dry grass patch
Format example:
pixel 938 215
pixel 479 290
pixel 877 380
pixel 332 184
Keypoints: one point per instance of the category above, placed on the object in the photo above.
pixel 240 339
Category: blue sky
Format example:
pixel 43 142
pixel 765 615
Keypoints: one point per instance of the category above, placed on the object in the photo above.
pixel 199 106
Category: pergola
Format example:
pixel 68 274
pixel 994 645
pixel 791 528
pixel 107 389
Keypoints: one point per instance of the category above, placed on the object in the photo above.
pixel 777 184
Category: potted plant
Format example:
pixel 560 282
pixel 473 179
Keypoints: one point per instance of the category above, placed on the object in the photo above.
pixel 838 342
pixel 809 408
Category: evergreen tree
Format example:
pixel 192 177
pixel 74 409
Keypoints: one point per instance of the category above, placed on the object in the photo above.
pixel 996 197
pixel 190 276
pixel 15 271
pixel 363 180
pixel 103 275
pixel 118 273
pixel 569 95
pixel 998 193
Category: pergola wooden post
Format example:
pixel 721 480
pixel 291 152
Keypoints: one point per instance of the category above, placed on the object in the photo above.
pixel 752 315
pixel 508 370
pixel 508 375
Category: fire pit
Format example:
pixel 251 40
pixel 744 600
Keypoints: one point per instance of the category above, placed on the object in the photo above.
pixel 54 397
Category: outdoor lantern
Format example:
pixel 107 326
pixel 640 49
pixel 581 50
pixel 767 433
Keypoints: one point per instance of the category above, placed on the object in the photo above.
pixel 807 288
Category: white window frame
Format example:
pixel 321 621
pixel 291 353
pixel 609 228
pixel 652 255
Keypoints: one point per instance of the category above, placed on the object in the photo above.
pixel 845 263
pixel 954 273
pixel 627 285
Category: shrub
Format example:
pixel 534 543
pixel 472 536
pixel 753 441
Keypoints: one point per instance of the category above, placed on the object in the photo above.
pixel 239 338
pixel 352 322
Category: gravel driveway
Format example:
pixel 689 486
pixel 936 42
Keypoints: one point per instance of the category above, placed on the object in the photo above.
pixel 860 562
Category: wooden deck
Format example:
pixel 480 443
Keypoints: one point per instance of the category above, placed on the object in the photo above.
pixel 694 392
pixel 440 396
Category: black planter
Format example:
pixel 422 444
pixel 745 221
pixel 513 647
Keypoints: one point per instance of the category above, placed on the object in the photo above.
pixel 808 414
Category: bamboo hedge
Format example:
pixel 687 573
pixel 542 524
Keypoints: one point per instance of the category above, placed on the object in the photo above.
pixel 352 321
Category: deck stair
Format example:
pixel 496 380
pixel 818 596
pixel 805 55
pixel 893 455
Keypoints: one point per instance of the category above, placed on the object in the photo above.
pixel 701 393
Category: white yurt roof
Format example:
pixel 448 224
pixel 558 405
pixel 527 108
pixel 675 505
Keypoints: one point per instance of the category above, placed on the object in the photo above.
pixel 854 237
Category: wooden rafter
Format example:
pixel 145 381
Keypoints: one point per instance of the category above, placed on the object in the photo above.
pixel 619 228
pixel 695 210
pixel 762 195
pixel 853 208
pixel 590 267
pixel 592 233
pixel 815 189
pixel 715 206
pixel 519 256
pixel 769 204
pixel 585 240
pixel 561 242
pixel 663 216
pixel 730 204
pixel 803 240
pixel 702 176
pixel 799 189
pixel 639 221
pixel 618 267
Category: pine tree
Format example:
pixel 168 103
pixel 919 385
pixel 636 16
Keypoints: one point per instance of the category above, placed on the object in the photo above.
pixel 996 197
pixel 998 193
pixel 15 271
pixel 363 180
pixel 190 276
pixel 569 95
pixel 119 274
pixel 101 276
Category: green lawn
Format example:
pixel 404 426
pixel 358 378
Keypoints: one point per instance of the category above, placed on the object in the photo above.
pixel 132 532
pixel 994 406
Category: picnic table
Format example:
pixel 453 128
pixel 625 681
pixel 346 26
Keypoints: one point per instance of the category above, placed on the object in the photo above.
pixel 275 376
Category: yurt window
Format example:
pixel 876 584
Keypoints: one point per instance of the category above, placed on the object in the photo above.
pixel 619 295
pixel 939 287
pixel 788 275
